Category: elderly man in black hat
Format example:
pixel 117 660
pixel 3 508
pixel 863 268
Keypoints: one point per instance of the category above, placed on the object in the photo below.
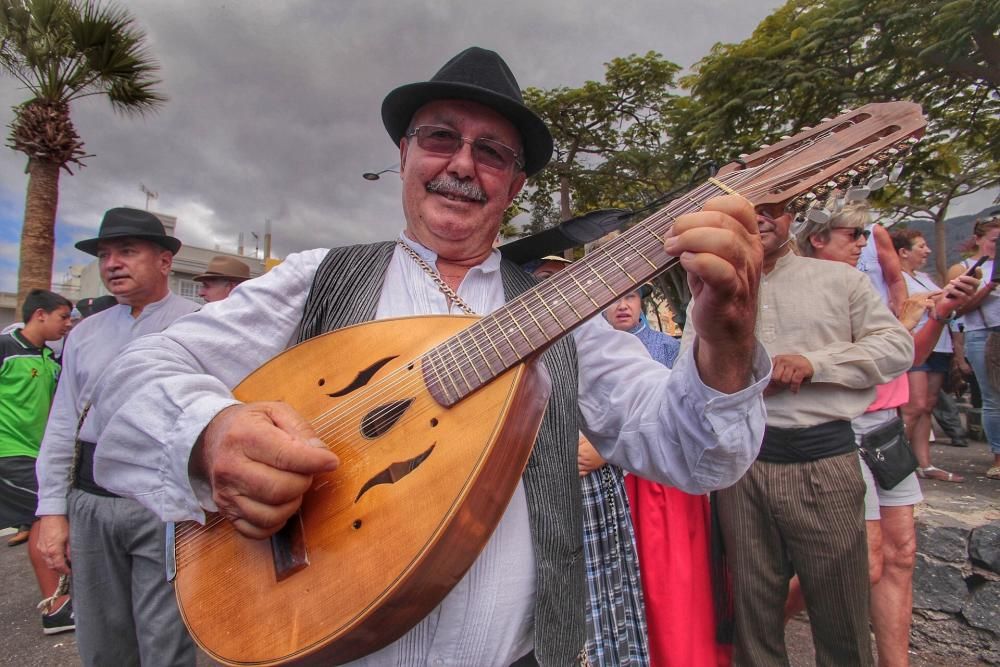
pixel 124 607
pixel 221 277
pixel 466 143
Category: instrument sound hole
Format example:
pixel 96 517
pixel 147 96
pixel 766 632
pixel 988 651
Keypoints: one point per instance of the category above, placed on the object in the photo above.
pixel 382 418
pixel 356 524
pixel 322 382
pixel 434 422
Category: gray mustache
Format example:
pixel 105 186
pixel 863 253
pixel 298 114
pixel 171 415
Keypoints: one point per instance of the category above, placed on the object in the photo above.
pixel 456 188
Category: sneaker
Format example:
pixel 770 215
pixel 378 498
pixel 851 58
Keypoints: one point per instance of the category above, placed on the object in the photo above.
pixel 60 620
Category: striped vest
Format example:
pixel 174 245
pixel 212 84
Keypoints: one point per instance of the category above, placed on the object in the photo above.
pixel 346 291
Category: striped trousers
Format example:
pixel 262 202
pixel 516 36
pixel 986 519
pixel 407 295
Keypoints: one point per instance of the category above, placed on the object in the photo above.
pixel 807 519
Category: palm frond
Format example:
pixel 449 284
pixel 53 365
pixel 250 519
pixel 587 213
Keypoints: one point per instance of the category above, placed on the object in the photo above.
pixel 63 50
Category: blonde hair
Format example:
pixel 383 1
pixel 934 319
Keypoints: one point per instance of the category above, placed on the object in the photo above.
pixel 855 214
pixel 979 229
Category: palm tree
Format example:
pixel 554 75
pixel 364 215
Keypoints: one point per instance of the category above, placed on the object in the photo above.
pixel 63 50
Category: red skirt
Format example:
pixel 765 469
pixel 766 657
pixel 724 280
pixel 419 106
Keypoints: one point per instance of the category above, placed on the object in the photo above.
pixel 672 538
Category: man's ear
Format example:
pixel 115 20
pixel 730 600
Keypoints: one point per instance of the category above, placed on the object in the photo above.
pixel 403 148
pixel 515 186
pixel 166 262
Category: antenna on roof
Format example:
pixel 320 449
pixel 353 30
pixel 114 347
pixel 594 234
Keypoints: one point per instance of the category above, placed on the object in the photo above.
pixel 149 194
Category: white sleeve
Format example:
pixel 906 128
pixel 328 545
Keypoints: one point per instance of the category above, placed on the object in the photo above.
pixel 55 456
pixel 161 392
pixel 666 425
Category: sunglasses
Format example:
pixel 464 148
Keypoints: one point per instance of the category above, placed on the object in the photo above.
pixel 856 232
pixel 445 141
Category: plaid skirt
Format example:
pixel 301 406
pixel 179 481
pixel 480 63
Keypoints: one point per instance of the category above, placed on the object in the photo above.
pixel 616 623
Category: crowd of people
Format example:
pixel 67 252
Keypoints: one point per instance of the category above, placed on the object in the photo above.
pixel 684 498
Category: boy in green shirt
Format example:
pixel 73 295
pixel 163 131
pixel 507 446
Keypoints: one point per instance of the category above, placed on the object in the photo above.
pixel 28 374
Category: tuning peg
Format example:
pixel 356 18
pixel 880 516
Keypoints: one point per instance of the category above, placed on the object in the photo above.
pixel 913 140
pixel 825 120
pixel 857 193
pixel 797 225
pixel 838 204
pixel 895 172
pixel 805 129
pixel 877 182
pixel 786 136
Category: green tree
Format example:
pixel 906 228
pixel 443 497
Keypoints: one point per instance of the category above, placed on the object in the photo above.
pixel 61 51
pixel 811 58
pixel 610 141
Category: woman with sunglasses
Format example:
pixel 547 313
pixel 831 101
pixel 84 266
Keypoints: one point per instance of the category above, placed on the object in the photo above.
pixel 982 320
pixel 926 378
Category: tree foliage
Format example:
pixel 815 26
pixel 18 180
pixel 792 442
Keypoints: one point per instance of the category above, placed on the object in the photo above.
pixel 61 51
pixel 611 143
pixel 811 58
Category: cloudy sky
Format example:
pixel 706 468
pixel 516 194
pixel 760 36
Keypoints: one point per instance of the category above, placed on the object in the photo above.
pixel 274 107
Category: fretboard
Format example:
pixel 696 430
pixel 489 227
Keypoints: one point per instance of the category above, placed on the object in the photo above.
pixel 528 324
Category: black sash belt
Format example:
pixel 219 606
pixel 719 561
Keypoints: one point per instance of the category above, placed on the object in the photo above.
pixel 800 445
pixel 85 472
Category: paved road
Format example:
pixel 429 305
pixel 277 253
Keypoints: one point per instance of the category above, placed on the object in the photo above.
pixel 24 645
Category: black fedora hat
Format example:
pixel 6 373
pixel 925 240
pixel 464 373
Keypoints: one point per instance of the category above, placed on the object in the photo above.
pixel 480 76
pixel 131 222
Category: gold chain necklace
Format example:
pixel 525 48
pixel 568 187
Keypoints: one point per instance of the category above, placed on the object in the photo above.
pixel 436 277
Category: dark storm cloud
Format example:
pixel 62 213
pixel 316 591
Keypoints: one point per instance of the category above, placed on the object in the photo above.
pixel 274 106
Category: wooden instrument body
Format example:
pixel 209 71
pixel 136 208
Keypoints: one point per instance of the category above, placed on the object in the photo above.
pixel 381 556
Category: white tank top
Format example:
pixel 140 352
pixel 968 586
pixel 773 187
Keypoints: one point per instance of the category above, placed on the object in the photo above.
pixel 988 313
pixel 920 284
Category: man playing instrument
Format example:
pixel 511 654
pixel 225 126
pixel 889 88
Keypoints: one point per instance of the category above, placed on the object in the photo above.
pixel 467 143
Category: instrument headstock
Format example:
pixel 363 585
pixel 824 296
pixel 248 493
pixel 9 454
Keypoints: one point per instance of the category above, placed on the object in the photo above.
pixel 846 154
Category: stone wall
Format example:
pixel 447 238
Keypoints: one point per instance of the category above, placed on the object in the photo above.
pixel 956 590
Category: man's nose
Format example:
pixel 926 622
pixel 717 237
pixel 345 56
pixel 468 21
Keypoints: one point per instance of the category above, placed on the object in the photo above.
pixel 462 163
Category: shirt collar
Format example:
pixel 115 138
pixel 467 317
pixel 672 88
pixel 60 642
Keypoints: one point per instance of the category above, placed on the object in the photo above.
pixel 787 258
pixel 18 335
pixel 491 265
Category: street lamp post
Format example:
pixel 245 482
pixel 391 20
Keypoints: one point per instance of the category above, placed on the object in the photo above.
pixel 375 175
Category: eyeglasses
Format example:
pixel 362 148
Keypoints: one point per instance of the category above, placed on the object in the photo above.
pixel 856 232
pixel 771 211
pixel 445 141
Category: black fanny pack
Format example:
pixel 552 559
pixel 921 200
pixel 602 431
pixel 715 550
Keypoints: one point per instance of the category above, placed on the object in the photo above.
pixel 812 443
pixel 887 453
pixel 84 477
